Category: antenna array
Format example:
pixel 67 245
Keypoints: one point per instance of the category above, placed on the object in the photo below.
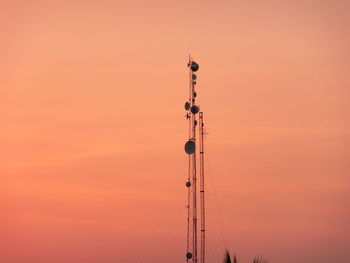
pixel 193 111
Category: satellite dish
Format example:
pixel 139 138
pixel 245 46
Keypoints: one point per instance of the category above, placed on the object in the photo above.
pixel 190 147
pixel 194 109
pixel 194 66
pixel 188 184
pixel 187 105
pixel 194 76
pixel 188 255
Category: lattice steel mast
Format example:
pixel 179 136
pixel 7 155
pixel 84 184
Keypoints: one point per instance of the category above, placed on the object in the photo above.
pixel 190 148
pixel 201 181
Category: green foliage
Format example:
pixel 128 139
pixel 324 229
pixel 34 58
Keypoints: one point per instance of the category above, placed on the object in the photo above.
pixel 227 258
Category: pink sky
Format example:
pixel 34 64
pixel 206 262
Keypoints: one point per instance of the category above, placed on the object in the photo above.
pixel 92 167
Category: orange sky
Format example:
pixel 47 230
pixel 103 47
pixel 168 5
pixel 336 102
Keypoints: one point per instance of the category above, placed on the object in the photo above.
pixel 92 167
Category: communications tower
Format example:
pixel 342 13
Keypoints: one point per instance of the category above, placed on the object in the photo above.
pixel 195 119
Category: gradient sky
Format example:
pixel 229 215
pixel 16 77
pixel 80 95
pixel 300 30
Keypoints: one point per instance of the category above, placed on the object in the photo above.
pixel 92 167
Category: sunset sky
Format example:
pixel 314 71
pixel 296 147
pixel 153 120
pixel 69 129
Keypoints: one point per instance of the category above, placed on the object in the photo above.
pixel 92 166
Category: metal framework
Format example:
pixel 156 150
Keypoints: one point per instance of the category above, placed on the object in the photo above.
pixel 201 180
pixel 190 148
